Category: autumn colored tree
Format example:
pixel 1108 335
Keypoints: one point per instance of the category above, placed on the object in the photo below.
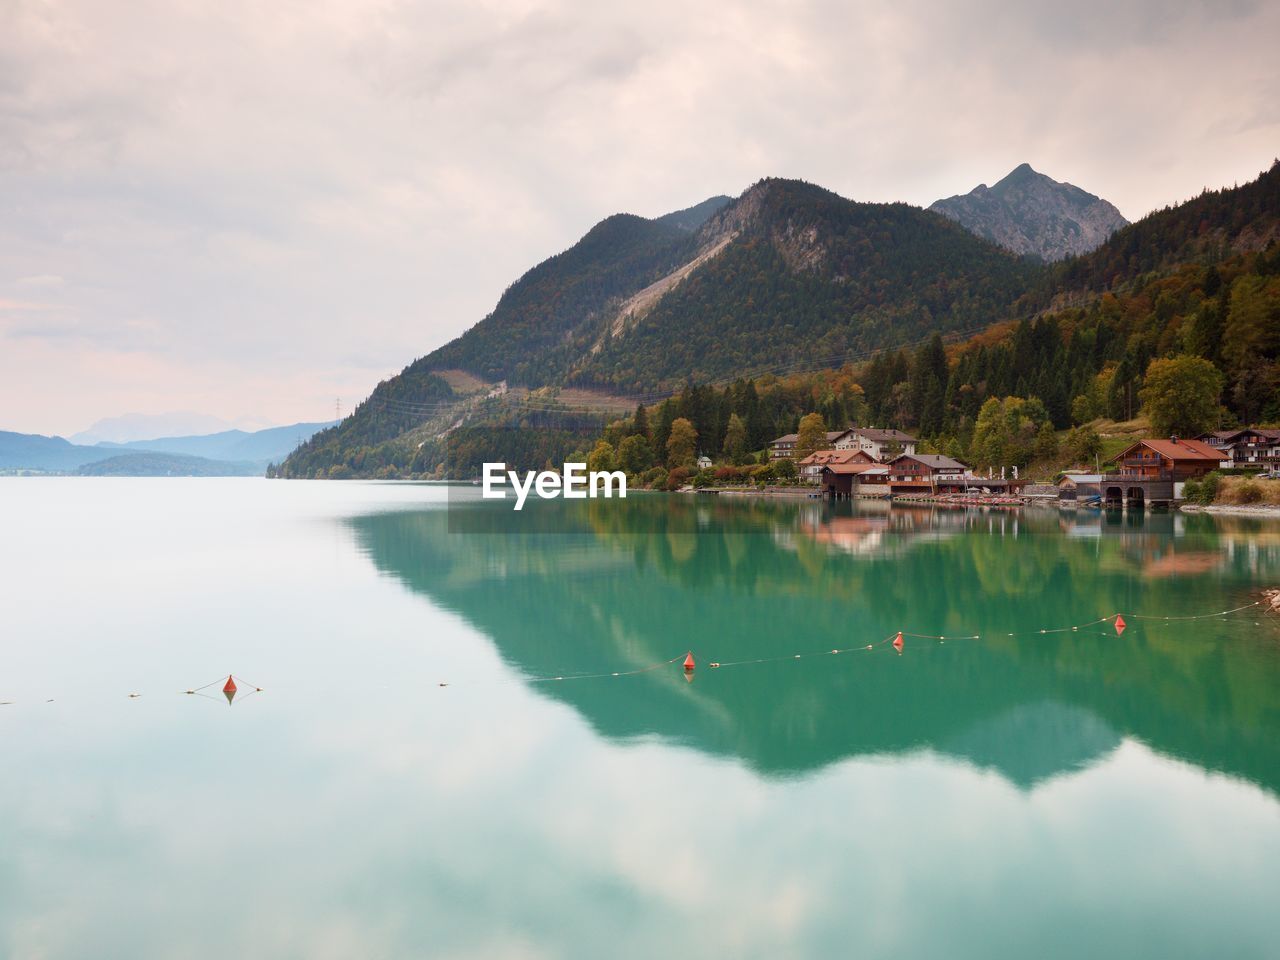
pixel 682 444
pixel 1181 396
pixel 812 435
pixel 601 456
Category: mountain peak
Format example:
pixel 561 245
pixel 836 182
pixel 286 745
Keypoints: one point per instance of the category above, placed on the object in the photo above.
pixel 1032 214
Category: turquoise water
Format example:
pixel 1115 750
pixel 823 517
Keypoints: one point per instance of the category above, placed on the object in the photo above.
pixel 1044 795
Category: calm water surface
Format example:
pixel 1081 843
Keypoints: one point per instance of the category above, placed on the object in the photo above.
pixel 1046 795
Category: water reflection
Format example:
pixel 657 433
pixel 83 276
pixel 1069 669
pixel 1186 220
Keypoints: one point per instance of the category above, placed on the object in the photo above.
pixel 624 584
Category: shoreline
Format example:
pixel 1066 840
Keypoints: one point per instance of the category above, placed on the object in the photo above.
pixel 1265 511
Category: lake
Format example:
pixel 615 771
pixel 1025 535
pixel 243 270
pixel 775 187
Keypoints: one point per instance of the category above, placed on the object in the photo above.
pixel 1018 794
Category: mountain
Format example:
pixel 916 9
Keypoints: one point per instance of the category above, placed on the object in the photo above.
pixel 551 316
pixel 786 271
pixel 1034 215
pixel 229 453
pixel 144 426
pixel 789 278
pixel 153 464
pixel 31 451
pixel 791 272
pixel 264 446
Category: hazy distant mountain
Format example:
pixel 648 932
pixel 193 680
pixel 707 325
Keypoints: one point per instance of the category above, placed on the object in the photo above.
pixel 272 444
pixel 31 451
pixel 148 426
pixel 229 453
pixel 155 464
pixel 1035 215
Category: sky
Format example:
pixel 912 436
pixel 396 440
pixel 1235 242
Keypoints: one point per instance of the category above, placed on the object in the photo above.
pixel 250 210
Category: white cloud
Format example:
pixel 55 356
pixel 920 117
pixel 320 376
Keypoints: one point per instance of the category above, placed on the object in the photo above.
pixel 290 188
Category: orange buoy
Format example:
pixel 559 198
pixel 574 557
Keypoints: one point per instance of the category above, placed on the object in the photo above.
pixel 230 685
pixel 897 642
pixel 688 661
pixel 1119 624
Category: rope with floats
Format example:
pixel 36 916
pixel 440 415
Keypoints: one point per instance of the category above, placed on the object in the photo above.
pixel 231 690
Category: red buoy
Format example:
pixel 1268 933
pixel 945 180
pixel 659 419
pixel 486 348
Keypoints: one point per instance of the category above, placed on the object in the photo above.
pixel 1119 624
pixel 688 661
pixel 897 642
pixel 230 685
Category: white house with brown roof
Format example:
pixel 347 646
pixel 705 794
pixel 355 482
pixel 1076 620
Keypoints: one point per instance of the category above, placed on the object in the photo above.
pixel 882 445
pixel 785 446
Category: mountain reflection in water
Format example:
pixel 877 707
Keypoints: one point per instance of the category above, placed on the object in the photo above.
pixel 603 586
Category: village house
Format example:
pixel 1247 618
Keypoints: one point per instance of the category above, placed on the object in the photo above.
pixel 784 448
pixel 704 462
pixel 810 467
pixel 1080 487
pixel 1247 447
pixel 1172 459
pixel 882 445
pixel 840 480
pixel 926 473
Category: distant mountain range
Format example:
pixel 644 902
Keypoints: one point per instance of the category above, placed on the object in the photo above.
pixel 1034 215
pixel 143 426
pixel 229 453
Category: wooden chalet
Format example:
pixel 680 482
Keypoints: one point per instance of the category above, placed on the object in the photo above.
pixel 926 473
pixel 1170 460
pixel 811 466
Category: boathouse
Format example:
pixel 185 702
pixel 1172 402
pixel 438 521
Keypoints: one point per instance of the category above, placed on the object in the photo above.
pixel 840 481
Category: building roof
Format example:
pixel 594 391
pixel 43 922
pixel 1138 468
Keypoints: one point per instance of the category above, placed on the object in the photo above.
pixel 1172 449
pixel 882 436
pixel 935 460
pixel 832 436
pixel 845 468
pixel 1081 478
pixel 834 456
pixel 1229 435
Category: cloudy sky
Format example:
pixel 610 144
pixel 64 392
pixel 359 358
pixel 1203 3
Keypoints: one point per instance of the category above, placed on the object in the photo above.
pixel 249 209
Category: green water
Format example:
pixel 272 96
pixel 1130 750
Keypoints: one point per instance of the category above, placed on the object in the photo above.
pixel 1040 794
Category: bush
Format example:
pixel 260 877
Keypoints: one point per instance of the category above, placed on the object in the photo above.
pixel 1248 492
pixel 1209 487
pixel 654 478
pixel 704 478
pixel 730 474
pixel 677 478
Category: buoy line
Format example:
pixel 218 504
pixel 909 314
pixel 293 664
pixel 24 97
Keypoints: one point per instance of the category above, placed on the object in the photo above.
pixel 231 690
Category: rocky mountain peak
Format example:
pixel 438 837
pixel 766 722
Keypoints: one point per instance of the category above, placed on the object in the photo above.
pixel 1034 215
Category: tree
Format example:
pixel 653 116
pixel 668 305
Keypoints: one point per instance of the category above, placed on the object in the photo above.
pixel 601 456
pixel 682 444
pixel 1083 444
pixel 1181 395
pixel 785 469
pixel 635 454
pixel 990 438
pixel 735 439
pixel 812 436
pixel 640 422
pixel 1082 409
pixel 1253 321
pixel 1046 442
